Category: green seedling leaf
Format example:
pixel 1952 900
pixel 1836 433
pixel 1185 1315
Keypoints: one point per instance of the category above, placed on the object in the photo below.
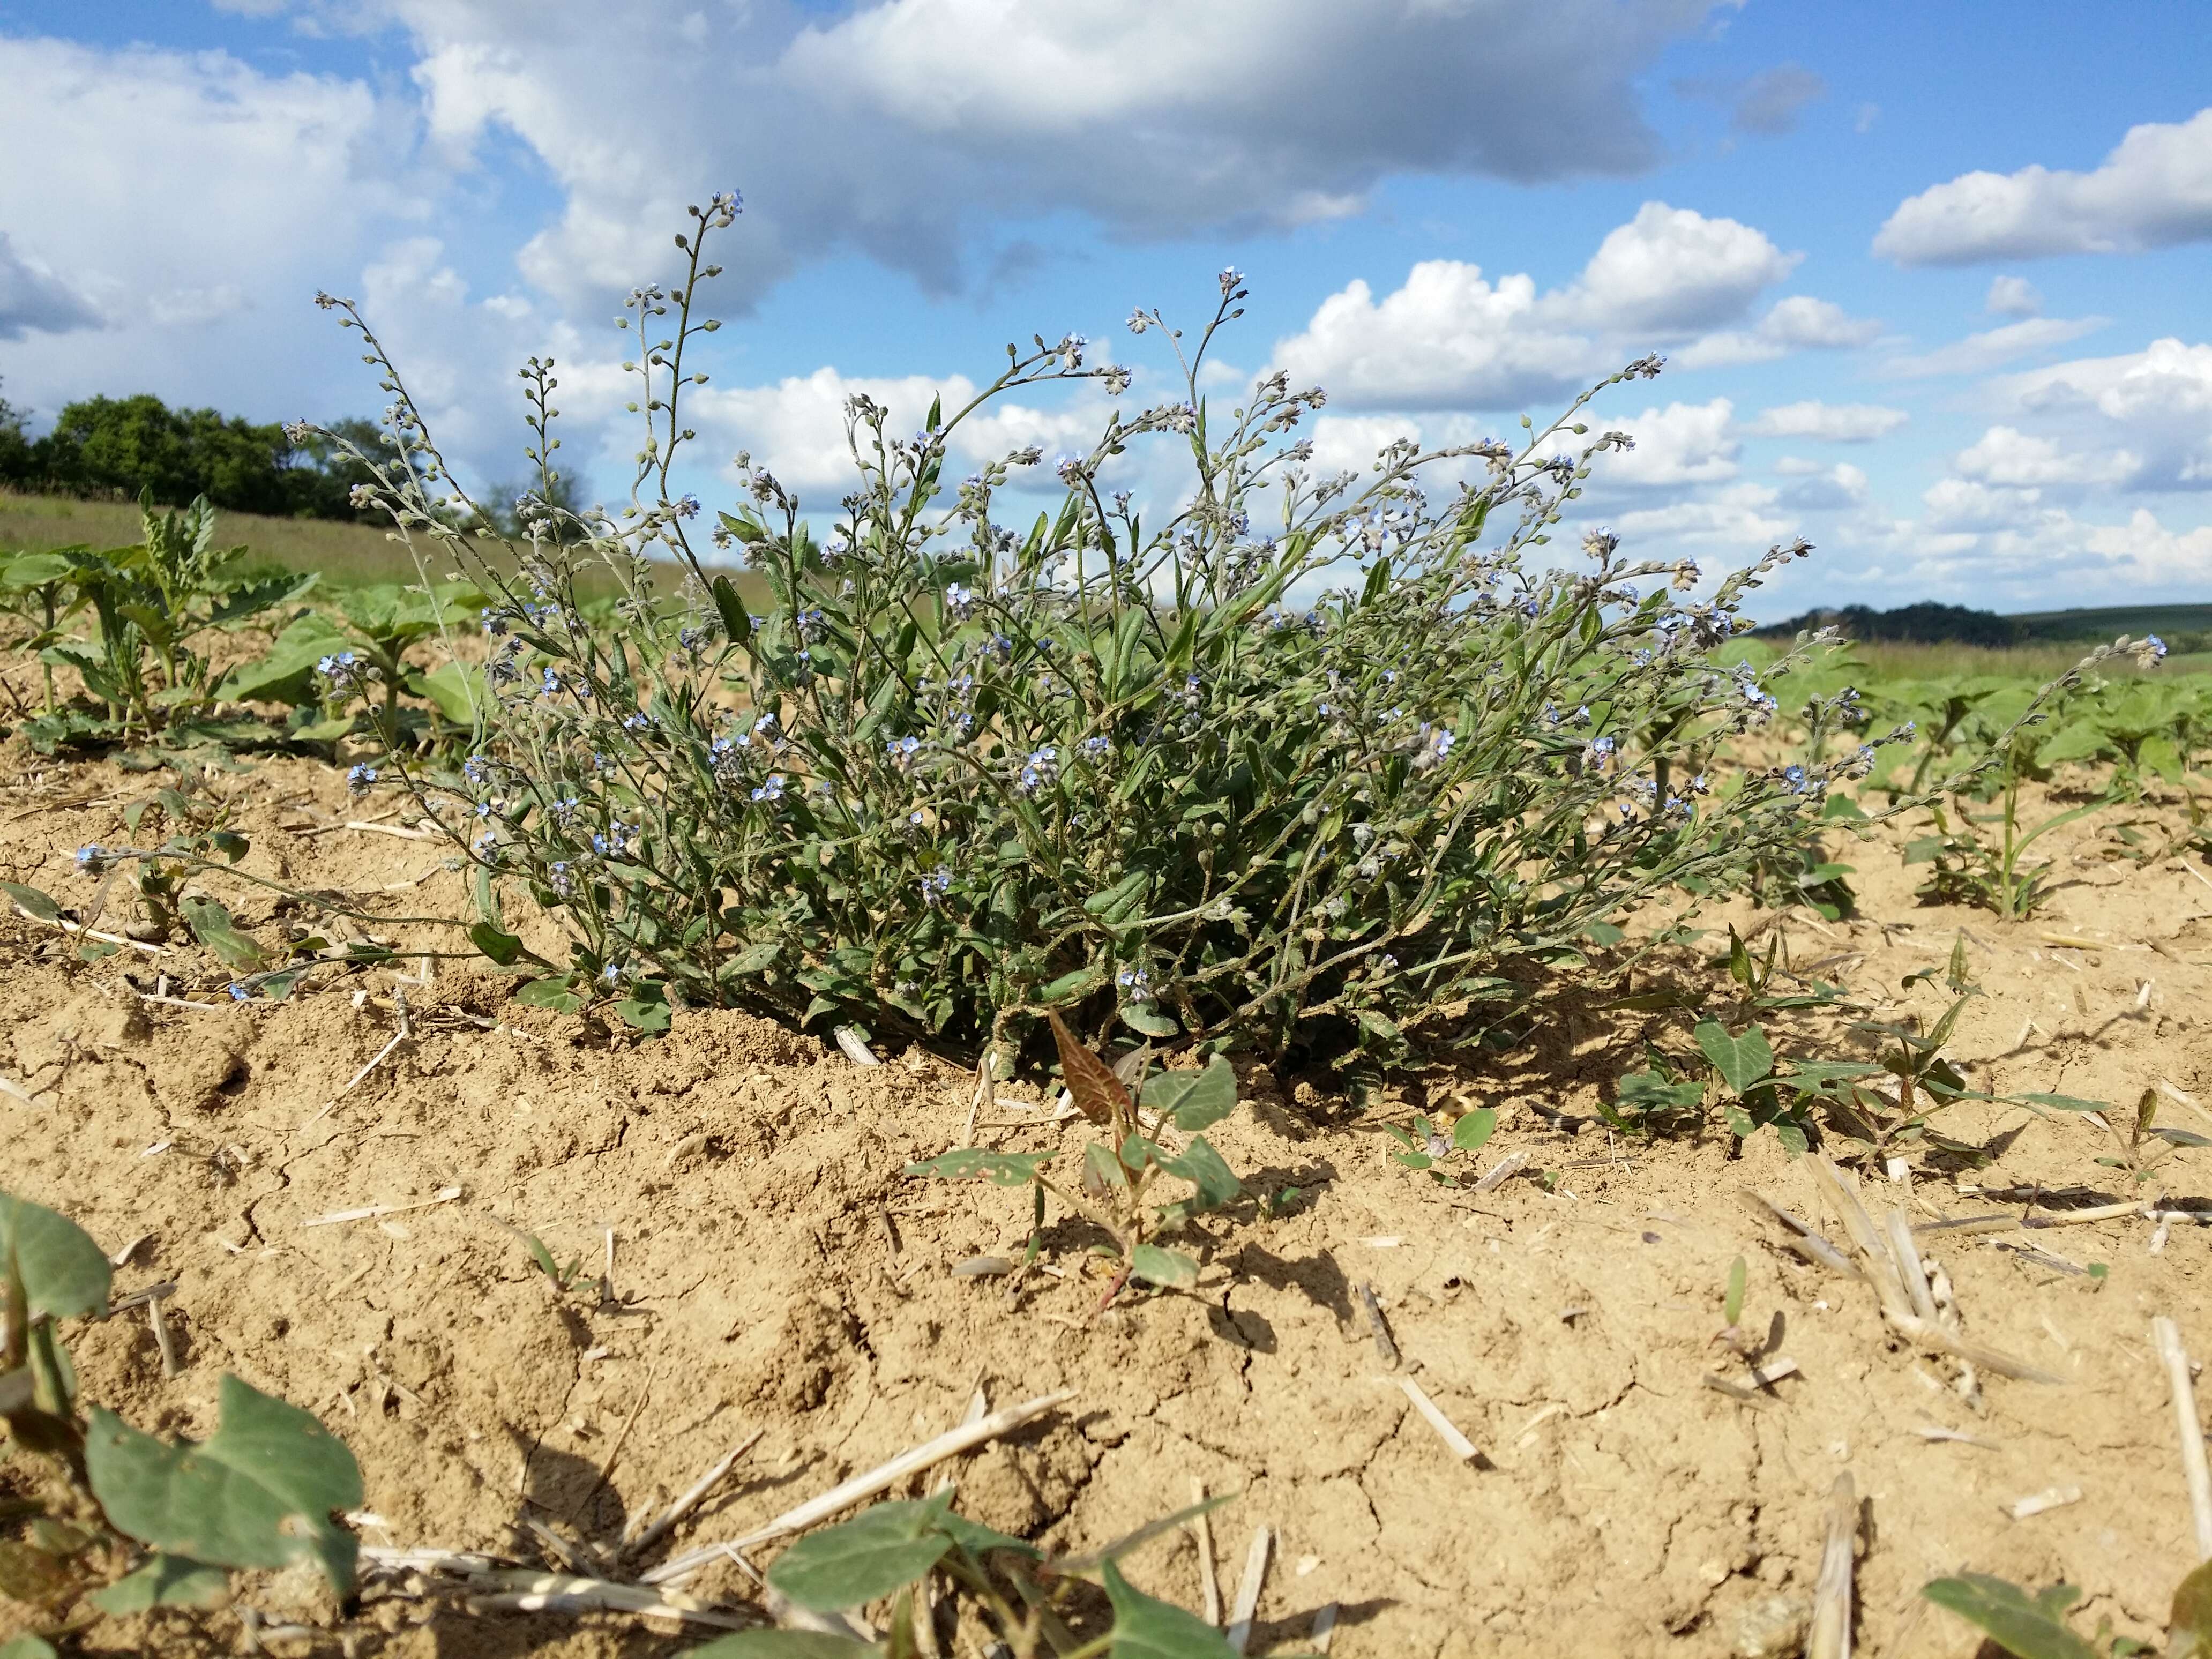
pixel 1144 1628
pixel 1194 1100
pixel 32 902
pixel 261 1493
pixel 62 1271
pixel 1201 1166
pixel 774 1645
pixel 981 1163
pixel 865 1559
pixel 551 992
pixel 2029 1627
pixel 1473 1131
pixel 166 1581
pixel 1169 1269
pixel 212 926
pixel 1742 1061
pixel 33 1647
pixel 976 1538
pixel 1732 1303
pixel 1146 1020
pixel 2066 1102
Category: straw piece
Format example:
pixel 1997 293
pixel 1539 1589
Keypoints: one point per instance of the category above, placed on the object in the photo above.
pixel 546 1592
pixel 369 1212
pixel 1373 1308
pixel 1201 1526
pixel 2165 1337
pixel 855 1047
pixel 984 1091
pixel 1910 1266
pixel 1802 1240
pixel 1502 1171
pixel 171 1366
pixel 1931 1432
pixel 1461 1447
pixel 2051 1498
pixel 1239 1633
pixel 692 1498
pixel 1830 1636
pixel 867 1486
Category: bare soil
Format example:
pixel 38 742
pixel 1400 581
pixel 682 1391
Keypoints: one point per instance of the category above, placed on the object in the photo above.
pixel 774 1269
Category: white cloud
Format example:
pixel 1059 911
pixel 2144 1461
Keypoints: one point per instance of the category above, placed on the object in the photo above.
pixel 2156 403
pixel 1680 444
pixel 1993 347
pixel 1797 324
pixel 2154 190
pixel 2012 296
pixel 33 297
pixel 1737 517
pixel 1830 490
pixel 2005 455
pixel 1450 338
pixel 1154 117
pixel 1834 423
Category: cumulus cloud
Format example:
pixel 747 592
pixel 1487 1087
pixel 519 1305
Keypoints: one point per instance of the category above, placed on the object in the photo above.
pixel 1978 354
pixel 1767 103
pixel 2005 455
pixel 1680 444
pixel 2154 190
pixel 1153 118
pixel 1834 423
pixel 1828 490
pixel 1450 338
pixel 2156 403
pixel 2012 296
pixel 33 297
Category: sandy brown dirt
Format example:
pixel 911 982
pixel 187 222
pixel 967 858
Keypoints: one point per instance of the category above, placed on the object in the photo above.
pixel 774 1269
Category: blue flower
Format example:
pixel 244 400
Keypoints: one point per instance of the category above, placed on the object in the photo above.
pixel 903 750
pixel 772 790
pixel 687 508
pixel 935 884
pixel 1136 981
pixel 2155 646
pixel 91 857
pixel 556 875
pixel 360 777
pixel 1795 777
pixel 959 600
pixel 238 993
pixel 1096 747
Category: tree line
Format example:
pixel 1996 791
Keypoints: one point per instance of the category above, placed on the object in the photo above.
pixel 121 447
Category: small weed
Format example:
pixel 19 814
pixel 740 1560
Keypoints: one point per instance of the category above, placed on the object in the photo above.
pixel 1118 1171
pixel 2144 1146
pixel 2032 1624
pixel 1427 1147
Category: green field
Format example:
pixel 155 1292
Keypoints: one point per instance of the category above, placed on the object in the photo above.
pixel 346 553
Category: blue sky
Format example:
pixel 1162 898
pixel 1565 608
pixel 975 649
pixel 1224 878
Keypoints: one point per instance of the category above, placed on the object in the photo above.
pixel 1932 281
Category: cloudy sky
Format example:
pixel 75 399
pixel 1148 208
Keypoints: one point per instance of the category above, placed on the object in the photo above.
pixel 1935 282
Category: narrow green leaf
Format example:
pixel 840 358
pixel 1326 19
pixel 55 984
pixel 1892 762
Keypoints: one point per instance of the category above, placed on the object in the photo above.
pixel 2027 1627
pixel 502 947
pixel 729 604
pixel 211 924
pixel 32 902
pixel 981 1164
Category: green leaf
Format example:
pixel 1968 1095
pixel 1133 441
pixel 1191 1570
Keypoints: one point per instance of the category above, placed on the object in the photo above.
pixel 1169 1269
pixel 646 1013
pixel 2066 1102
pixel 773 1645
pixel 979 1163
pixel 503 948
pixel 63 1272
pixel 865 1559
pixel 261 1493
pixel 286 671
pixel 456 689
pixel 211 924
pixel 33 902
pixel 2190 1636
pixel 1194 1100
pixel 1144 1628
pixel 1201 1166
pixel 1146 1020
pixel 1474 1128
pixel 1732 1301
pixel 551 991
pixel 729 604
pixel 166 1581
pixel 33 1647
pixel 976 1538
pixel 1741 1061
pixel 2027 1627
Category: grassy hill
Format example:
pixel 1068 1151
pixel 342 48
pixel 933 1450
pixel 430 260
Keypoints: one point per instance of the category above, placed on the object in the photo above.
pixel 346 553
pixel 2171 623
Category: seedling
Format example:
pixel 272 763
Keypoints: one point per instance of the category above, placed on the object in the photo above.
pixel 1427 1146
pixel 1118 1172
pixel 262 1492
pixel 2032 1624
pixel 2145 1146
pixel 1026 1598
